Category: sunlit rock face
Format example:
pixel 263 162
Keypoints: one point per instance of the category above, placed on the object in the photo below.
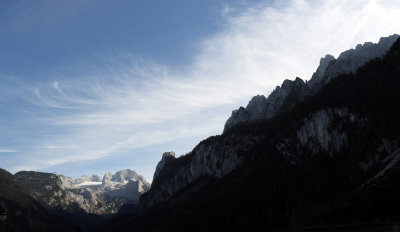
pixel 92 194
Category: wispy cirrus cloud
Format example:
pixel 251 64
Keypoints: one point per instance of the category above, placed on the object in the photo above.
pixel 131 102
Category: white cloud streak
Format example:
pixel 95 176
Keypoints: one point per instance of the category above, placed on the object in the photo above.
pixel 69 147
pixel 145 103
pixel 7 151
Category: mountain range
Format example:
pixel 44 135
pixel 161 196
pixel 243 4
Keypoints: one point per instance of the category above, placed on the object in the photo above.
pixel 86 201
pixel 317 155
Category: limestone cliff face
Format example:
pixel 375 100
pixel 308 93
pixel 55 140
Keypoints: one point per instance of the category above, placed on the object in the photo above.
pixel 318 133
pixel 214 159
pixel 292 92
pixel 323 131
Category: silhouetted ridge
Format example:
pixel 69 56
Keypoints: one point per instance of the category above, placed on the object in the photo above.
pixel 293 92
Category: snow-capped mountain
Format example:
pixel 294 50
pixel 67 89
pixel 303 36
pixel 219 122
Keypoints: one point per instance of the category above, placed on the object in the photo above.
pixel 101 196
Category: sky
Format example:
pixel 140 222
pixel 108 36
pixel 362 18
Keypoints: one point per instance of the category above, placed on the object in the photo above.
pixel 95 86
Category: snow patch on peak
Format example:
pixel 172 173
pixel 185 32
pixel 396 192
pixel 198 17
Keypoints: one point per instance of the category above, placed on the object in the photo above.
pixel 87 183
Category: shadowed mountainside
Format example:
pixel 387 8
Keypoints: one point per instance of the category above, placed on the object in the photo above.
pixel 331 159
pixel 23 213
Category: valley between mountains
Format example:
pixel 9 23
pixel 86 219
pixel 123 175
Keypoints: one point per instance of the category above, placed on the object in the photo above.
pixel 316 155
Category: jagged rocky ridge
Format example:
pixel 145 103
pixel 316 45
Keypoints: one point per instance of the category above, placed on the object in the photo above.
pixel 219 155
pixel 292 92
pixel 330 159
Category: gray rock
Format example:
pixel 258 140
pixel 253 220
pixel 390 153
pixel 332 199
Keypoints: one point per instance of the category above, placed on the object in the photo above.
pixel 320 73
pixel 95 178
pixel 318 133
pixel 349 61
pixel 260 107
pixel 160 165
pixel 214 159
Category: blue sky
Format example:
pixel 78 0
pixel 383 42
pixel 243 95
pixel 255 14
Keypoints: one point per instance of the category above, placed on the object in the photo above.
pixel 97 86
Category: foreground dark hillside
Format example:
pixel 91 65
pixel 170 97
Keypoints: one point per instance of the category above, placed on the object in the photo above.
pixel 290 181
pixel 48 190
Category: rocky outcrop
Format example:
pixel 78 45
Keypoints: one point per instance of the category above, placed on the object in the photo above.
pixel 261 107
pixel 292 92
pixel 318 132
pixel 48 189
pixel 166 156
